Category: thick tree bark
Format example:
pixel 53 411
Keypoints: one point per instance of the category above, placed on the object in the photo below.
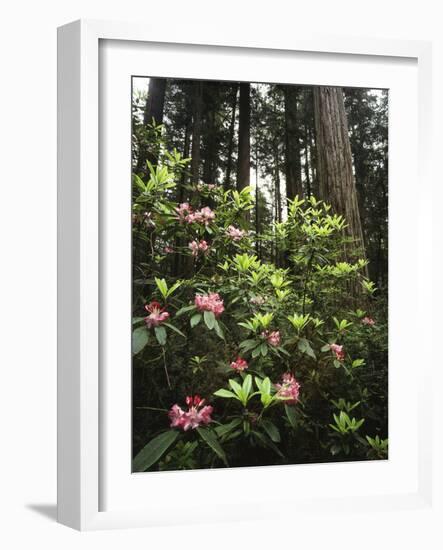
pixel 227 183
pixel 334 158
pixel 155 104
pixel 210 156
pixel 244 137
pixel 196 130
pixel 292 143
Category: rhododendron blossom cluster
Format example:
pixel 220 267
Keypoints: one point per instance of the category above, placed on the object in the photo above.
pixel 204 216
pixel 234 233
pixel 289 389
pixel 183 210
pixel 239 364
pixel 273 338
pixel 197 247
pixel 198 414
pixel 338 351
pixel 210 302
pixel 157 314
pixel 368 321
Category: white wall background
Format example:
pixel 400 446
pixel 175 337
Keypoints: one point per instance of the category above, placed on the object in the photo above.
pixel 28 267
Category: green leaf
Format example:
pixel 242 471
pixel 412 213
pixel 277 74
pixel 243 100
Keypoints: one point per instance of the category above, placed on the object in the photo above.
pixel 160 333
pixel 226 428
pixel 272 430
pixel 225 393
pixel 247 385
pixel 175 329
pixel 173 288
pixel 140 338
pixel 247 345
pixel 162 286
pixel 266 386
pixel 195 319
pixel 305 347
pixel 210 438
pixel 219 330
pixel 136 320
pixel 291 415
pixel 209 319
pixel 236 387
pixel 256 352
pixel 183 310
pixel 153 451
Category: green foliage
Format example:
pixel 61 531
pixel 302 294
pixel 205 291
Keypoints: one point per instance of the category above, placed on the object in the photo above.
pixel 288 297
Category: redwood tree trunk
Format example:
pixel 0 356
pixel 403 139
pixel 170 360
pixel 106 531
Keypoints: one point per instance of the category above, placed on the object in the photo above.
pixel 231 138
pixel 244 137
pixel 334 159
pixel 155 104
pixel 196 131
pixel 292 144
pixel 156 101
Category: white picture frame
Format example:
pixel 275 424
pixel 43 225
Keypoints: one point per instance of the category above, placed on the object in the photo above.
pixel 80 260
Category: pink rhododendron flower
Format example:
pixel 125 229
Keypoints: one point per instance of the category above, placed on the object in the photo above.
pixel 234 233
pixel 209 302
pixel 183 210
pixel 204 215
pixel 197 247
pixel 273 337
pixel 193 246
pixel 156 316
pixel 289 389
pixel 168 250
pixel 197 414
pixel 368 321
pixel 239 364
pixel 338 351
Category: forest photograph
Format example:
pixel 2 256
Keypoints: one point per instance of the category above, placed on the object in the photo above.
pixel 259 274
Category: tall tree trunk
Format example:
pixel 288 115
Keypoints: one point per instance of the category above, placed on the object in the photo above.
pixel 257 207
pixel 292 143
pixel 155 103
pixel 306 167
pixel 227 182
pixel 244 137
pixel 211 147
pixel 196 130
pixel 334 158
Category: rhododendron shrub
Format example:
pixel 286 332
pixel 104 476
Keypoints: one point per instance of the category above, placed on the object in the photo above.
pixel 250 349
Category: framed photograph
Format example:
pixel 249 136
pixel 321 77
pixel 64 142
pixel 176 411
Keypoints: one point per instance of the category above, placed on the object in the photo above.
pixel 233 273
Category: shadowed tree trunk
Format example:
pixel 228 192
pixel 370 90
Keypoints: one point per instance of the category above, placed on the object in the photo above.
pixel 153 112
pixel 334 159
pixel 196 130
pixel 227 184
pixel 292 143
pixel 156 101
pixel 244 137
